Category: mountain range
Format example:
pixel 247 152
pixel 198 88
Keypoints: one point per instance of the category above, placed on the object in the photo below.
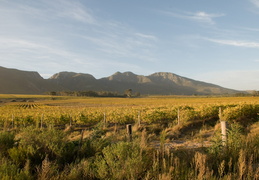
pixel 13 81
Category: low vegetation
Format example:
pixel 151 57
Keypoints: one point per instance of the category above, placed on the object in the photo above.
pixel 172 138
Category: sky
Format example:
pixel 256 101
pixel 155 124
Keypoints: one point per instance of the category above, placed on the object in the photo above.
pixel 215 41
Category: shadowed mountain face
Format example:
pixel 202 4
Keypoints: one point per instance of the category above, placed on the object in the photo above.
pixel 164 83
pixel 24 82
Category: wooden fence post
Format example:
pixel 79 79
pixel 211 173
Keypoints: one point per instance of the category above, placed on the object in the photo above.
pixel 224 132
pixel 139 119
pixel 178 116
pixel 80 142
pixel 41 121
pixel 223 124
pixel 115 128
pixel 70 120
pixel 104 121
pixel 129 131
pixel 12 121
pixel 81 138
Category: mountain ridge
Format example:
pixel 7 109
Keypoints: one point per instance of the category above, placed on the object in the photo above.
pixel 161 83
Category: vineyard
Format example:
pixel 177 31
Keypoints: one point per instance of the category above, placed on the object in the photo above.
pixel 78 138
pixel 90 111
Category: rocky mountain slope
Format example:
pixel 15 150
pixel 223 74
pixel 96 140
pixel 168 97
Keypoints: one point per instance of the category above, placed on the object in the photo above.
pixel 164 83
pixel 13 81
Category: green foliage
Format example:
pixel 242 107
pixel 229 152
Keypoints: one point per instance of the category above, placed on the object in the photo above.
pixel 36 144
pixel 160 115
pixel 208 111
pixel 6 141
pixel 9 171
pixel 64 119
pixel 81 170
pixel 101 153
pixel 216 144
pixel 238 149
pixel 121 161
pixel 241 113
pixel 91 147
pixel 235 137
pixel 19 155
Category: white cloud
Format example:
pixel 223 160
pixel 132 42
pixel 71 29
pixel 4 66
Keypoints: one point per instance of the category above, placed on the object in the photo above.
pixel 146 36
pixel 251 29
pixel 126 44
pixel 75 10
pixel 255 2
pixel 52 29
pixel 18 45
pixel 45 10
pixel 246 44
pixel 200 16
pixel 205 17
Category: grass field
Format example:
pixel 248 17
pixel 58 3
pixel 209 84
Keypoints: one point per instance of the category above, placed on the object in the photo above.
pixel 173 137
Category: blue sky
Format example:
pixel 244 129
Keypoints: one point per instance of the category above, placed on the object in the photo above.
pixel 215 41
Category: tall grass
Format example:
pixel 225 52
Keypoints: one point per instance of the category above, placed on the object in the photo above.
pixel 48 154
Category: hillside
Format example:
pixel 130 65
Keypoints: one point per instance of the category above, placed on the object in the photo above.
pixel 15 81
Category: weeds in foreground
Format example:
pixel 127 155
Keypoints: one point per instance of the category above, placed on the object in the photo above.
pixel 34 153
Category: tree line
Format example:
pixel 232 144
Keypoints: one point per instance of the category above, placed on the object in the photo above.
pixel 127 93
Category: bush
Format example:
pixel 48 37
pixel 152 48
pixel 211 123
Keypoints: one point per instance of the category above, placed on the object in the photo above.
pixel 6 141
pixel 35 145
pixel 242 113
pixel 123 160
pixel 9 170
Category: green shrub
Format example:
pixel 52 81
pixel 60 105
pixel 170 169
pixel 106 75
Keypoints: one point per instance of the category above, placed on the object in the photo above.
pixel 242 113
pixel 36 144
pixel 123 160
pixel 91 147
pixel 9 171
pixel 6 142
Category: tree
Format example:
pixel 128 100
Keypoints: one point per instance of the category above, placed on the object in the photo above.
pixel 128 92
pixel 53 93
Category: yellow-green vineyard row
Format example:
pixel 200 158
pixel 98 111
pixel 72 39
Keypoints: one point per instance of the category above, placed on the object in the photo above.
pixel 147 110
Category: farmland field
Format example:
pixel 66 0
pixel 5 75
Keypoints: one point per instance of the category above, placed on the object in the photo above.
pixel 173 137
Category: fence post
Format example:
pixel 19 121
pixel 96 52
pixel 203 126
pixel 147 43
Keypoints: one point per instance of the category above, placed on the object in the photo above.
pixel 80 142
pixel 104 121
pixel 12 121
pixel 70 120
pixel 223 124
pixel 41 121
pixel 115 128
pixel 129 131
pixel 139 119
pixel 178 115
pixel 81 138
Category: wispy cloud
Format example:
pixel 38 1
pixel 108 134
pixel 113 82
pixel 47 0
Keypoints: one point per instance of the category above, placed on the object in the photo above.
pixel 246 44
pixel 146 36
pixel 255 2
pixel 123 46
pixel 50 10
pixel 58 31
pixel 200 16
pixel 76 11
pixel 250 29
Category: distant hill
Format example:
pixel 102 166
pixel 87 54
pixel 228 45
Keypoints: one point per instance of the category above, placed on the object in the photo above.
pixel 13 81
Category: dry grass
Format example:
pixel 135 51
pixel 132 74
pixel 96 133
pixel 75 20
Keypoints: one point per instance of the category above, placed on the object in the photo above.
pixel 254 129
